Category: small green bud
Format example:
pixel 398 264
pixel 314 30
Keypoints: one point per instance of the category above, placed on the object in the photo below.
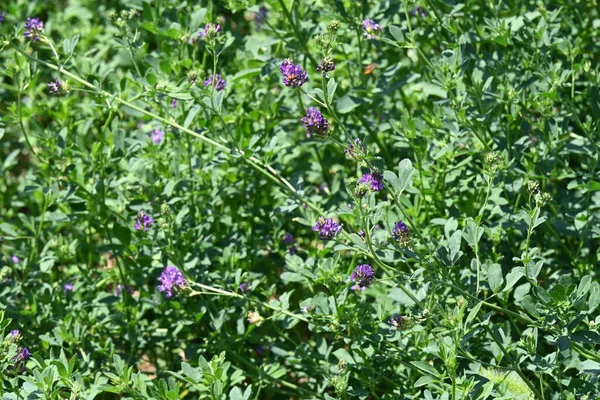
pixel 255 318
pixel 541 199
pixel 492 161
pixel 361 190
pixel 533 187
pixel 320 41
pixel 194 76
pixel 133 14
pixel 333 26
pixel 352 182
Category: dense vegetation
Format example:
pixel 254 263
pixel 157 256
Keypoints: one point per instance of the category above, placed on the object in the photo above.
pixel 325 199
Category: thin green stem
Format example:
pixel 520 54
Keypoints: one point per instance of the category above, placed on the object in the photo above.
pixel 299 37
pixel 514 364
pixel 239 296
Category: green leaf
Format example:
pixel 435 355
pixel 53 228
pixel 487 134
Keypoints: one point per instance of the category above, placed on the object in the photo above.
pixel 236 394
pixel 191 115
pixel 342 354
pixel 191 372
pixel 122 233
pixel 454 246
pixel 530 305
pixel 472 314
pixel 47 263
pixel 404 177
pixel 534 268
pixel 424 380
pixel 585 337
pixel 594 299
pixel 472 233
pixel 495 277
pixel 593 186
pixel 405 173
pixel 347 103
pixel 397 33
pixel 513 277
pixel 427 368
pixel 331 87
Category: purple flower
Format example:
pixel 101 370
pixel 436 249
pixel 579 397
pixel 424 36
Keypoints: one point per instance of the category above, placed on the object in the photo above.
pixel 210 31
pixel 260 17
pixel 171 279
pixel 220 84
pixel 362 277
pixel 14 259
pixel 173 103
pixel 293 75
pixel 315 123
pixel 419 11
pixel 68 287
pixel 33 28
pixel 355 149
pixel 327 228
pixel 1 17
pixel 326 66
pixel 374 180
pixel 292 250
pixel 371 29
pixel 157 136
pixel 120 288
pixel 398 321
pixel 400 231
pixel 288 238
pixel 243 287
pixel 143 221
pixel 54 86
pixel 25 354
pixel 14 332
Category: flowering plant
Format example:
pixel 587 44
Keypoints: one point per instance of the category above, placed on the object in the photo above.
pixel 373 200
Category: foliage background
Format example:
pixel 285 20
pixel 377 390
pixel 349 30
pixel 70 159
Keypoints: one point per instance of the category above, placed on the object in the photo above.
pixel 466 109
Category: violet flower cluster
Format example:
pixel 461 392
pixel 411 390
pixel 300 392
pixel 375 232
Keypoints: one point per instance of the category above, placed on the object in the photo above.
pixel 293 74
pixel 288 239
pixel 144 221
pixel 171 279
pixel 327 228
pixel 260 17
pixel 210 31
pixel 33 29
pixel 355 149
pixel 157 137
pixel 419 12
pixel 244 287
pixel 374 180
pixel 400 232
pixel 54 86
pixel 326 65
pixel 220 83
pixel 58 87
pixel 399 322
pixel 362 276
pixel 315 123
pixel 371 29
